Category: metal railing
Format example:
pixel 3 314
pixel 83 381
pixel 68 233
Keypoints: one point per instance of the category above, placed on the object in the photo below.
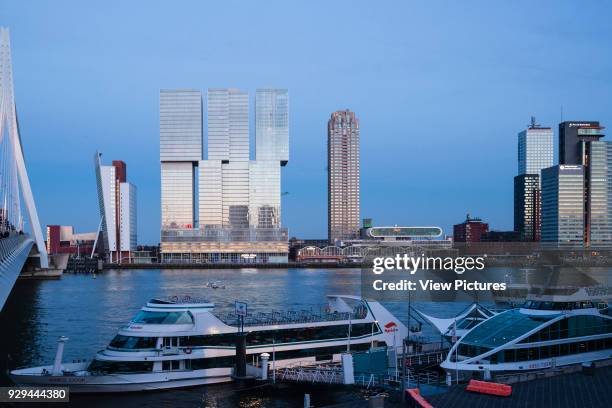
pixel 291 317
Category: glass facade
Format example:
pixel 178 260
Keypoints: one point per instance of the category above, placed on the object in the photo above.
pixel 177 195
pixel 272 125
pixel 527 206
pixel 563 206
pixel 264 194
pixel 535 150
pixel 127 217
pixel 180 144
pixel 228 125
pixel 180 125
pixel 598 206
pixel 210 193
pixel 343 176
pixel 405 232
pixel 238 199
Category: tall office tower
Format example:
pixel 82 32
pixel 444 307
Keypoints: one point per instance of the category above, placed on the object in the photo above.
pixel 571 134
pixel 580 144
pixel 597 163
pixel 271 152
pixel 535 152
pixel 228 125
pixel 343 176
pixel 272 125
pixel 527 203
pixel 227 165
pixel 117 202
pixel 180 142
pixel 238 199
pixel 535 149
pixel 563 206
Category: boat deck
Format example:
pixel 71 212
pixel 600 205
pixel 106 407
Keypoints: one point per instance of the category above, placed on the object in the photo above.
pixel 567 390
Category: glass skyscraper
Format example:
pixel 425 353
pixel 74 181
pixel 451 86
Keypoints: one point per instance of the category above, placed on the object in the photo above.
pixel 272 123
pixel 535 149
pixel 527 211
pixel 598 204
pixel 563 206
pixel 180 148
pixel 238 199
pixel 535 153
pixel 343 176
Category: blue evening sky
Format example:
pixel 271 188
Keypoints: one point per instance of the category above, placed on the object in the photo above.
pixel 441 89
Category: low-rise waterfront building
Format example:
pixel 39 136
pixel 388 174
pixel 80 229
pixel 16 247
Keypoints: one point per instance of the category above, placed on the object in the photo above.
pixel 61 239
pixel 470 230
pixel 380 241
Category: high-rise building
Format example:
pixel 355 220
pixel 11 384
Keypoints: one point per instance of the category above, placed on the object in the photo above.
pixel 180 143
pixel 527 207
pixel 535 149
pixel 571 134
pixel 343 196
pixel 117 202
pixel 535 152
pixel 238 199
pixel 470 230
pixel 272 125
pixel 563 206
pixel 597 163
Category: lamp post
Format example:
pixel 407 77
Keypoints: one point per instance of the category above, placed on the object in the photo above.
pixel 372 338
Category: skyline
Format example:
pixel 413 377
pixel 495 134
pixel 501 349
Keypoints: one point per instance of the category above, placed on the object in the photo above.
pixel 438 86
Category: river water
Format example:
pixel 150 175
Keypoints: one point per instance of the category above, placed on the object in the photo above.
pixel 90 310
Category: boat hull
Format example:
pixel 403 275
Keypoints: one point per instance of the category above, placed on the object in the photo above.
pixel 83 382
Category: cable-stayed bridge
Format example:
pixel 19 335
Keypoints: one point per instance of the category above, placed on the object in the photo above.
pixel 15 191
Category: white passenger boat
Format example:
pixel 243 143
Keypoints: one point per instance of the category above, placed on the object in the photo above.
pixel 549 330
pixel 176 342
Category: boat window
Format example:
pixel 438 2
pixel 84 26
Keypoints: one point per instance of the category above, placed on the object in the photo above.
pixel 133 342
pixel 500 329
pixel 171 365
pixel 147 317
pixel 170 341
pixel 574 326
pixel 109 367
pixel 267 337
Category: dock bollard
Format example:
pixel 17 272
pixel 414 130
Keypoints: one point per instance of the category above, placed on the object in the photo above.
pixel 57 364
pixel 265 357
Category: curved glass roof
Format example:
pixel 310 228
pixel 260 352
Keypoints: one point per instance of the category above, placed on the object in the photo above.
pixel 502 328
pixel 409 232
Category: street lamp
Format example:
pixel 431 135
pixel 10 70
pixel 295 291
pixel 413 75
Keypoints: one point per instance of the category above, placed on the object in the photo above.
pixel 372 338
